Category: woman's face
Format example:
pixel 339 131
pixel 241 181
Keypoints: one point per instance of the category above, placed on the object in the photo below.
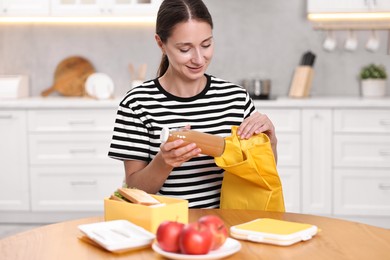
pixel 189 49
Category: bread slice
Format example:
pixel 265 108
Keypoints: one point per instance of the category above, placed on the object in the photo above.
pixel 113 197
pixel 138 196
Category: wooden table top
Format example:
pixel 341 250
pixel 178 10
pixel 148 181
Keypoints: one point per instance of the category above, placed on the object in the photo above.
pixel 338 239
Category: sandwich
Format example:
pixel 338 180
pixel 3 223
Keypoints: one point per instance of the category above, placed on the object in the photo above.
pixel 134 196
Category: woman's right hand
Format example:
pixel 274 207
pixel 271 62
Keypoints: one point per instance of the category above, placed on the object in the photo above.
pixel 174 154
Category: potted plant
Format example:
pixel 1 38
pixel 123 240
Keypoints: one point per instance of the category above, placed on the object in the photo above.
pixel 373 80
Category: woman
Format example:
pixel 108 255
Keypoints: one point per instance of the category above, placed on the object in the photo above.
pixel 183 95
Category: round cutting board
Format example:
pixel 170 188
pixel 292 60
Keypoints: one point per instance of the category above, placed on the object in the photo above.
pixel 70 76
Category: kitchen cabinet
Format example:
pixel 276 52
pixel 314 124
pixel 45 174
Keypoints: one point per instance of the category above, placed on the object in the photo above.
pixel 14 178
pixel 104 7
pixel 317 161
pixel 288 123
pixel 349 6
pixel 333 157
pixel 70 169
pixel 361 156
pixel 24 7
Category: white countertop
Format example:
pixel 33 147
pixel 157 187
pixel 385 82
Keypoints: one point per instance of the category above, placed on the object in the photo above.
pixel 279 102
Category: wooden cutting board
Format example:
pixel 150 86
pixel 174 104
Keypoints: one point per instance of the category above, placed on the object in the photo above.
pixel 70 76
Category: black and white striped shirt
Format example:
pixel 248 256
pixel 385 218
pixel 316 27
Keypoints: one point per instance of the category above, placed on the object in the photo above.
pixel 146 109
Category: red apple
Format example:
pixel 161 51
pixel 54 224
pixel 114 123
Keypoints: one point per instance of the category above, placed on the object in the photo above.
pixel 218 229
pixel 195 239
pixel 167 235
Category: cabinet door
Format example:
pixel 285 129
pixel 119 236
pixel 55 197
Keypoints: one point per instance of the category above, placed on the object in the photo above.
pixel 330 6
pixel 290 178
pixel 362 192
pixel 14 179
pixel 78 7
pixel 367 150
pixel 380 5
pixel 73 188
pixel 68 149
pixel 105 7
pixel 349 121
pixel 25 7
pixel 316 161
pixel 133 7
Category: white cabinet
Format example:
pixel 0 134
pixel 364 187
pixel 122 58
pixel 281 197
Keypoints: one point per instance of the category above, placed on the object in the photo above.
pixel 78 7
pixel 14 179
pixel 361 156
pixel 24 7
pixel 362 192
pixel 104 7
pixel 349 6
pixel 73 188
pixel 287 126
pixel 70 168
pixel 317 161
pixel 134 7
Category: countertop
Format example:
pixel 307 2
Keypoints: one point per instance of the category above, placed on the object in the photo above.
pixel 278 102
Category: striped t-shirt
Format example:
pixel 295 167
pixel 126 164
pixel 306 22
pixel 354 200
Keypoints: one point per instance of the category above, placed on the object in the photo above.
pixel 146 109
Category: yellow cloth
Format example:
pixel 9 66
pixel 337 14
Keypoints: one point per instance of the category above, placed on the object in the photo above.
pixel 251 180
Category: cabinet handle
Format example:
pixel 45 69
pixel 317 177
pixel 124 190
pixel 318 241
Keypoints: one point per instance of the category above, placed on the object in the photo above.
pixel 82 122
pixel 83 183
pixel 82 150
pixel 384 186
pixel 5 116
pixel 384 122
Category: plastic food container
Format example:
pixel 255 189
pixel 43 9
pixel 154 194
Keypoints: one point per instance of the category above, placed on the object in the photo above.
pixel 117 235
pixel 148 217
pixel 272 231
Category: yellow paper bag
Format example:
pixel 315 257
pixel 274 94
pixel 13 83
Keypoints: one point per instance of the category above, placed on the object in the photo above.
pixel 251 180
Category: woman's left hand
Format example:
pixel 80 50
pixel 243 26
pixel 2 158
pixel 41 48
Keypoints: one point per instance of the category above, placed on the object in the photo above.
pixel 255 124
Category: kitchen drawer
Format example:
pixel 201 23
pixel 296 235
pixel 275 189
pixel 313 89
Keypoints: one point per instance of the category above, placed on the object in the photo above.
pixel 288 147
pixel 71 120
pixel 362 150
pixel 82 149
pixel 362 192
pixel 284 120
pixel 362 121
pixel 73 188
pixel 290 178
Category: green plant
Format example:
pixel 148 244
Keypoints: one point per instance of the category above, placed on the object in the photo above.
pixel 373 71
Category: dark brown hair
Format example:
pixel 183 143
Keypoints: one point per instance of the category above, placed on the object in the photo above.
pixel 172 12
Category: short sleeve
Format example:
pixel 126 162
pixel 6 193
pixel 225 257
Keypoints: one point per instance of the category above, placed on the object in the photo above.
pixel 130 140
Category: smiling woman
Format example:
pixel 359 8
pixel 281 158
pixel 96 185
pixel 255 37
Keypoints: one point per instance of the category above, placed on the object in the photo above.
pixel 182 96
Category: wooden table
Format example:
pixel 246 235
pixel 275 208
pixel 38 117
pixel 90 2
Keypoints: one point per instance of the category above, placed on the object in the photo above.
pixel 338 239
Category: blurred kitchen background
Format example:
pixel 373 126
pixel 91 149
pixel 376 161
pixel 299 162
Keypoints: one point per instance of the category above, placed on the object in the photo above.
pixel 254 39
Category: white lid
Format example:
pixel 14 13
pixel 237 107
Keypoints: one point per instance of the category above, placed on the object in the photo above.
pixel 118 235
pixel 164 134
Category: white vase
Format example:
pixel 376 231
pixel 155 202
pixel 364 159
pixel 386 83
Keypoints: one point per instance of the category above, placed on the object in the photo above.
pixel 373 87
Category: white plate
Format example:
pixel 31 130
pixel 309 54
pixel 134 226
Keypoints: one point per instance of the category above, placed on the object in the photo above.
pixel 99 85
pixel 230 247
pixel 117 235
